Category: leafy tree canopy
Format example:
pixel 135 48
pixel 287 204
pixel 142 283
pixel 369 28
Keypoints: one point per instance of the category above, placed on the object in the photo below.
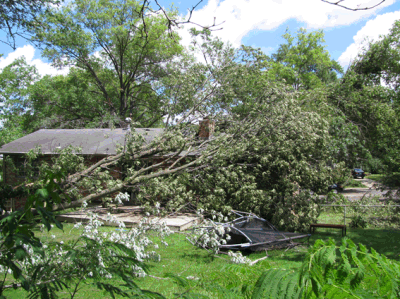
pixel 16 79
pixel 18 17
pixel 122 48
pixel 303 61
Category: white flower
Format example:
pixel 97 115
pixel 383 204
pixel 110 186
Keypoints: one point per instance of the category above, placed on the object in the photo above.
pixel 121 197
pixel 237 258
pixel 192 278
pixel 121 224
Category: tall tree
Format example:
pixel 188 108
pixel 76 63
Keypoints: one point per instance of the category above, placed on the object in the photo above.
pixel 70 101
pixel 16 80
pixel 379 64
pixel 303 61
pixel 121 46
pixel 368 97
pixel 374 100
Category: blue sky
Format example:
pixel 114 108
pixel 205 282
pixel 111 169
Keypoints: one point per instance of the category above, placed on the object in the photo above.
pixel 261 23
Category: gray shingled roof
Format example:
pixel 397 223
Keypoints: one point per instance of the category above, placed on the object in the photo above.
pixel 92 141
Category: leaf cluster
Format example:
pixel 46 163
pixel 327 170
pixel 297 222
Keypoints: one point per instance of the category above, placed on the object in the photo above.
pixel 330 271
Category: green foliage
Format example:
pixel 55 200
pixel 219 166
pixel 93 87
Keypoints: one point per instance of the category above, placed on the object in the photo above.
pixel 330 271
pixel 354 184
pixel 303 61
pixel 358 221
pixel 373 107
pixel 7 192
pixel 270 171
pixel 336 199
pixel 61 266
pixel 57 102
pixel 17 18
pixel 17 230
pixel 121 52
pixel 375 166
pixel 391 180
pixel 276 283
pixel 16 79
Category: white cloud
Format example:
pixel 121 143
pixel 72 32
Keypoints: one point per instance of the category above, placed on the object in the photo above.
pixel 242 16
pixel 370 32
pixel 29 51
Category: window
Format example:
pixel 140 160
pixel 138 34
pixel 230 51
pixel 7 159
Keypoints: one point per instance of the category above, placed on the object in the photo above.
pixel 24 170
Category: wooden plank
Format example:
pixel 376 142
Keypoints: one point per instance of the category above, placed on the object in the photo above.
pixel 326 225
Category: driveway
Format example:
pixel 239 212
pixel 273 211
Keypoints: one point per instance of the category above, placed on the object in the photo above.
pixel 372 189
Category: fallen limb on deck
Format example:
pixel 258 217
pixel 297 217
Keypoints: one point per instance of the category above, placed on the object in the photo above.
pixel 341 226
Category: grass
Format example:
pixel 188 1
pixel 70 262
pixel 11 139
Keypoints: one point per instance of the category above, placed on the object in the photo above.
pixel 375 177
pixel 185 260
pixel 354 184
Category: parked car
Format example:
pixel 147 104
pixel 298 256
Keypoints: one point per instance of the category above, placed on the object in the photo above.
pixel 358 173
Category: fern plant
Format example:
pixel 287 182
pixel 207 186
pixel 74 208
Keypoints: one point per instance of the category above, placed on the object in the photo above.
pixel 330 271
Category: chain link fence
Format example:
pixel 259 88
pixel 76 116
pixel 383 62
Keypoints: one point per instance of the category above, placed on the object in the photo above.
pixel 357 215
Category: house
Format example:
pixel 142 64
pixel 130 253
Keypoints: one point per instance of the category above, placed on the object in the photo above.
pixel 95 145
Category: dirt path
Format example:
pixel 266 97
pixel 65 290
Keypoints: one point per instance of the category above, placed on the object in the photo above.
pixel 372 189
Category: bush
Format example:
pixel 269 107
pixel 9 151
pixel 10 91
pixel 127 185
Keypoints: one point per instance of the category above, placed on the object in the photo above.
pixel 392 180
pixel 358 222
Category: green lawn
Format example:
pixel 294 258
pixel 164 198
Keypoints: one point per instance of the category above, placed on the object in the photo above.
pixel 185 260
pixel 352 183
pixel 375 177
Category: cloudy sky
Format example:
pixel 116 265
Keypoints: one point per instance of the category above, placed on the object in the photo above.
pixel 261 23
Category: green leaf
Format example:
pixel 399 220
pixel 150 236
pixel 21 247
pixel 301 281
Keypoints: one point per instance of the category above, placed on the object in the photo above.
pixel 182 282
pixel 42 193
pixel 264 283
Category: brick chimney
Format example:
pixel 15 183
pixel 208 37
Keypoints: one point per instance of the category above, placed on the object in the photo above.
pixel 206 128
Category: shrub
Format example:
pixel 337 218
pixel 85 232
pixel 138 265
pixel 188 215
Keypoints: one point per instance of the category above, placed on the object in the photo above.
pixel 358 221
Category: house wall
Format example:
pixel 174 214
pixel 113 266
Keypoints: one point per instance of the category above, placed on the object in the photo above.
pixel 11 177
